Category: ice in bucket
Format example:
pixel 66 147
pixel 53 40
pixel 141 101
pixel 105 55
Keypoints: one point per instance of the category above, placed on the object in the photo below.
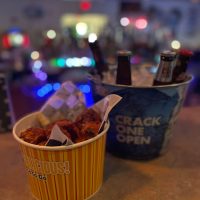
pixel 65 172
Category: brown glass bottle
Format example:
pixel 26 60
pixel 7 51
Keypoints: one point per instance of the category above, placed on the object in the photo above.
pixel 179 72
pixel 165 68
pixel 123 68
pixel 100 63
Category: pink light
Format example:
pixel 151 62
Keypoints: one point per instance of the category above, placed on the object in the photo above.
pixel 141 23
pixel 26 41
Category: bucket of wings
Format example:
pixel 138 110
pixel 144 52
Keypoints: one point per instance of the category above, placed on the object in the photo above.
pixel 63 145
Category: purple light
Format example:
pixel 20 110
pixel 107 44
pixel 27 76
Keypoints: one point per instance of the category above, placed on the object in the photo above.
pixel 41 75
pixel 135 60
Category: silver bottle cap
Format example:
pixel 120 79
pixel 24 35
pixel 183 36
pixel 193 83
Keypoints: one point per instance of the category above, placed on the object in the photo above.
pixel 168 53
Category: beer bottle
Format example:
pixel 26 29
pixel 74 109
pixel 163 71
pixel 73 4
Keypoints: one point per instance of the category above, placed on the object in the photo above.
pixel 123 68
pixel 100 63
pixel 179 72
pixel 165 68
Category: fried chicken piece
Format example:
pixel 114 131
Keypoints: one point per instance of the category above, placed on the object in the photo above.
pixel 85 127
pixel 89 115
pixel 88 123
pixel 89 130
pixel 74 131
pixel 67 127
pixel 34 135
pixel 62 125
pixel 80 139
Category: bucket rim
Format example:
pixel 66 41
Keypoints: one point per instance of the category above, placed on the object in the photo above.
pixel 54 148
pixel 189 79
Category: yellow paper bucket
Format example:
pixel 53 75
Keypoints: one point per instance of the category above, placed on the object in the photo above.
pixel 64 172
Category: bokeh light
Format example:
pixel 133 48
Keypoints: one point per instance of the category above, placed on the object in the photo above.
pixel 124 21
pixel 141 23
pixel 51 34
pixel 56 86
pixel 35 55
pixel 92 37
pixel 37 64
pixel 48 88
pixel 41 75
pixel 85 61
pixel 175 44
pixel 85 5
pixel 76 62
pixel 85 88
pixel 16 39
pixel 81 28
pixel 61 62
pixel 69 62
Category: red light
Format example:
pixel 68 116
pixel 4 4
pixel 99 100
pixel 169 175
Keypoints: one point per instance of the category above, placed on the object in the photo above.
pixel 141 23
pixel 6 42
pixel 26 42
pixel 85 5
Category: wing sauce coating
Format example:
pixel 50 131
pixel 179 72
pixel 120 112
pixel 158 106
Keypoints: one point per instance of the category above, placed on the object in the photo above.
pixel 83 128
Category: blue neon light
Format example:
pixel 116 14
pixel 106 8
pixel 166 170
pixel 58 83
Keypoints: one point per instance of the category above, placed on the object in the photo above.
pixel 51 87
pixel 84 88
pixel 47 88
pixel 56 86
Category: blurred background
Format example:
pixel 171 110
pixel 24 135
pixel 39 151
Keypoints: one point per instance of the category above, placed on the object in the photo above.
pixel 44 43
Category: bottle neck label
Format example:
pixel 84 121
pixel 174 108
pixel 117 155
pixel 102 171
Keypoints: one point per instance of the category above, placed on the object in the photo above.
pixel 165 71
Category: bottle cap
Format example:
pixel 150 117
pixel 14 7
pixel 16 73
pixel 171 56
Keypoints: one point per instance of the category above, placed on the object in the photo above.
pixel 185 52
pixel 124 53
pixel 168 53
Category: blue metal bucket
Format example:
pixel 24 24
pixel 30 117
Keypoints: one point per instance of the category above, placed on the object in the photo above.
pixel 140 125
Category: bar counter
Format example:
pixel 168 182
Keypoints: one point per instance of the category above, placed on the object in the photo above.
pixel 172 176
